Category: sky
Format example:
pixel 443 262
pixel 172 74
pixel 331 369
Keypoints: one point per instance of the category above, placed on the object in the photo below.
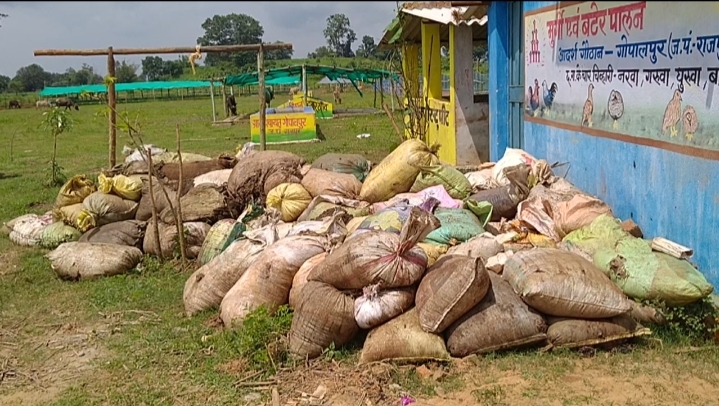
pixel 128 24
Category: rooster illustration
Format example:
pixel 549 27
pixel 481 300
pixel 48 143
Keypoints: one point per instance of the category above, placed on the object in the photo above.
pixel 615 107
pixel 690 122
pixel 548 94
pixel 588 107
pixel 672 114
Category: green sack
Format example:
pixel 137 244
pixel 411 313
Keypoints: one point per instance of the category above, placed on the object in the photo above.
pixel 640 272
pixel 57 233
pixel 483 210
pixel 454 181
pixel 457 226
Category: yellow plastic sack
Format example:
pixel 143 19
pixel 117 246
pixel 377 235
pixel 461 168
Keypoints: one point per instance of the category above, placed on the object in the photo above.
pixel 291 199
pixel 397 171
pixel 67 214
pixel 454 181
pixel 433 251
pixel 121 185
pixel 74 191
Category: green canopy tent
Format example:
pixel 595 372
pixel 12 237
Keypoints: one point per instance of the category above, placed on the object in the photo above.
pixel 333 73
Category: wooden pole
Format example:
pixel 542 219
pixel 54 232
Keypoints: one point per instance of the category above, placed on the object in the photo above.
pixel 263 102
pixel 180 224
pixel 212 99
pixel 155 217
pixel 170 50
pixel 224 98
pixel 112 103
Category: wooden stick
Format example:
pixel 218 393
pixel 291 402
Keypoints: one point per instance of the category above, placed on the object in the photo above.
pixel 180 224
pixel 155 219
pixel 263 102
pixel 671 248
pixel 112 102
pixel 391 118
pixel 170 50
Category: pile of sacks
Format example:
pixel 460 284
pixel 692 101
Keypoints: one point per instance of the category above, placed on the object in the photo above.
pixel 432 262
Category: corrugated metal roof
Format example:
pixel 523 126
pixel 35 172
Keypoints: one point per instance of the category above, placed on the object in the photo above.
pixel 407 26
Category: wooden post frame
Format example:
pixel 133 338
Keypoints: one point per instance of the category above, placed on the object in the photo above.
pixel 111 52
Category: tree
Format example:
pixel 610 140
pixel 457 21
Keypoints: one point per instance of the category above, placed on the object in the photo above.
pixel 321 52
pixel 231 29
pixel 4 83
pixel 32 78
pixel 152 68
pixel 279 54
pixel 125 72
pixel 339 35
pixel 367 49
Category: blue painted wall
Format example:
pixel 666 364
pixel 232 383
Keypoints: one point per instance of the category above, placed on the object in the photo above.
pixel 667 194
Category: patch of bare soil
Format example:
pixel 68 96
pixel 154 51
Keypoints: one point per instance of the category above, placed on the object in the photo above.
pixel 34 371
pixel 589 381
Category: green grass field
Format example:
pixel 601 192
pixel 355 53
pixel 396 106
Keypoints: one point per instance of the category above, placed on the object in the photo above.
pixel 124 340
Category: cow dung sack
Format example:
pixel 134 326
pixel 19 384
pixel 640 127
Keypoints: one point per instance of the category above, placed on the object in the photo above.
pixel 403 340
pixel 353 164
pixel 82 260
pixel 454 181
pixel 501 321
pixel 300 279
pixel 206 287
pixel 215 240
pixel 56 234
pixel 324 316
pixel 383 257
pixel 128 232
pixel 321 182
pixel 563 284
pixel 260 172
pixel 375 306
pixel 397 171
pixel 269 279
pixel 451 287
pixel 100 209
pixel 74 191
pixel 195 233
pixel 573 333
pixel 483 246
pixel 202 203
pixel 291 199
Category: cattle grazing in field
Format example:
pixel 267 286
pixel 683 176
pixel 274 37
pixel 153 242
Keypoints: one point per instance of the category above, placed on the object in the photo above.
pixel 337 95
pixel 66 102
pixel 231 104
pixel 40 104
pixel 294 90
pixel 13 104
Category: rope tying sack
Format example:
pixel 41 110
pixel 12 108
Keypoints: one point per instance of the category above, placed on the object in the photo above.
pixel 193 57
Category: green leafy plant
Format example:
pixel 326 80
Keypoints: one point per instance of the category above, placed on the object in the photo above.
pixel 695 321
pixel 262 338
pixel 56 121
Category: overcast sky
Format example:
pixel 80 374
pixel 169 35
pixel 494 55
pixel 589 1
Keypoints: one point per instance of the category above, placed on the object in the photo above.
pixel 84 25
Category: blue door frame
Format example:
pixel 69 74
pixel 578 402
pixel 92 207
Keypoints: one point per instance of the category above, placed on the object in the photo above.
pixel 506 76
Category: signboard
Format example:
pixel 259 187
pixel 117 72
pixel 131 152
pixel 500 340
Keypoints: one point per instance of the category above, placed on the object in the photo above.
pixel 322 108
pixel 285 125
pixel 643 69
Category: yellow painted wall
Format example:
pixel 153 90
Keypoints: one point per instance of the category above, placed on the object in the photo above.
pixel 441 130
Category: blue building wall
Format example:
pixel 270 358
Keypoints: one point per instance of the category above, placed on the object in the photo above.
pixel 666 193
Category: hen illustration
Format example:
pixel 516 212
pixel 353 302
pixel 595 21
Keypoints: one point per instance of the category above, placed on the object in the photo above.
pixel 534 98
pixel 690 122
pixel 548 94
pixel 672 114
pixel 588 107
pixel 615 107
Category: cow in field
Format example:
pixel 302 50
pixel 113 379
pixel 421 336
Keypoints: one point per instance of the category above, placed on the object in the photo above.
pixel 13 104
pixel 231 104
pixel 40 104
pixel 66 102
pixel 294 90
pixel 337 95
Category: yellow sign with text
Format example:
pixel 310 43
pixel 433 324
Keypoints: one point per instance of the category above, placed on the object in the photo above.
pixel 322 108
pixel 284 127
